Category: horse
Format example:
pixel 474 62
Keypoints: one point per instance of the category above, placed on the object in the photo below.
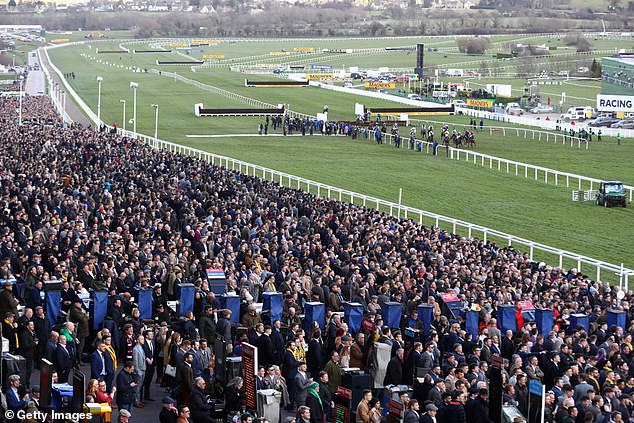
pixel 469 140
pixel 457 140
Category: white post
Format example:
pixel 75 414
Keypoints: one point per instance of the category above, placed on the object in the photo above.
pixel 63 106
pixel 134 86
pixel 99 80
pixel 123 101
pixel 156 106
pixel 400 197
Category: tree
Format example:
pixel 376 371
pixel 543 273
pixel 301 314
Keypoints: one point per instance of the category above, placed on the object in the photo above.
pixel 476 45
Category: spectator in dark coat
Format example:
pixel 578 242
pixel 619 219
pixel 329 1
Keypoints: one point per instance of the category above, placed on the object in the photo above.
pixel 126 387
pixel 200 408
pixel 455 412
pixel 394 372
pixel 477 410
pixel 265 348
pixel 63 360
pixel 316 357
pixel 223 327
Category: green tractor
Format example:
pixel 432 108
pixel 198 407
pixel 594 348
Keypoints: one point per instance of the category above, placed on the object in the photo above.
pixel 611 194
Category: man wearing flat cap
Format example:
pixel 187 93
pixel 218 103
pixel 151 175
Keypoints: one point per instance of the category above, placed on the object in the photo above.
pixel 8 303
pixel 429 416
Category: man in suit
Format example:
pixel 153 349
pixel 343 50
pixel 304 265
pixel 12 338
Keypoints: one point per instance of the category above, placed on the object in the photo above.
pixel 410 364
pixel 223 327
pixel 394 372
pixel 316 357
pixel 532 370
pixel 265 348
pixel 101 365
pixel 508 348
pixel 278 342
pixel 28 344
pixel 126 387
pixel 140 365
pixel 42 331
pixel 63 360
pixel 260 380
pixel 148 349
pixel 427 357
pixel 302 383
pixel 14 403
pixel 187 379
pixel 411 415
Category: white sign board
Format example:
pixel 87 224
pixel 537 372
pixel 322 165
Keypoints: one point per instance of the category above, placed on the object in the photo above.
pixel 500 89
pixel 615 103
pixel 359 110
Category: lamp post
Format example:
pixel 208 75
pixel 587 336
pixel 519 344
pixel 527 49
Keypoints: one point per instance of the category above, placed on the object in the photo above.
pixel 20 118
pixel 99 80
pixel 156 107
pixel 63 106
pixel 134 86
pixel 123 101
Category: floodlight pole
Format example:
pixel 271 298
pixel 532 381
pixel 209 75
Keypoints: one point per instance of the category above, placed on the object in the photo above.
pixel 156 107
pixel 123 101
pixel 134 86
pixel 99 80
pixel 20 115
pixel 63 106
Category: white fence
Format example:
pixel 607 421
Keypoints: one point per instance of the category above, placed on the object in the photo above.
pixel 538 173
pixel 394 209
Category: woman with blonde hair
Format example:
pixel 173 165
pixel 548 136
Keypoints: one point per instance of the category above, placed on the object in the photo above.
pixel 93 387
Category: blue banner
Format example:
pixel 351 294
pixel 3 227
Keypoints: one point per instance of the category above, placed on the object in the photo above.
pixel 144 300
pixel 99 308
pixel 53 306
pixel 391 313
pixel 314 312
pixel 353 316
pixel 535 387
pixel 186 298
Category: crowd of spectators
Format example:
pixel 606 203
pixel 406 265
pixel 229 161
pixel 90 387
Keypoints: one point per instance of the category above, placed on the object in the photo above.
pixel 102 212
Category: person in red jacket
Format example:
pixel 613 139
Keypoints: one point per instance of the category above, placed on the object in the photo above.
pixel 519 317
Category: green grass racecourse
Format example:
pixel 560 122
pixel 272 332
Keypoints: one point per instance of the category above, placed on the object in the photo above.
pixel 526 208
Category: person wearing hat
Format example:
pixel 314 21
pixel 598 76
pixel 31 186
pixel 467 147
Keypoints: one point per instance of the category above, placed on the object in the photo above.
pixel 168 413
pixel 429 416
pixel 251 318
pixel 314 402
pixel 10 331
pixel 124 416
pixel 8 303
pixel 207 325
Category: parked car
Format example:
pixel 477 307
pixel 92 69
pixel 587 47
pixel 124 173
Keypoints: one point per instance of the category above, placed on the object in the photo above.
pixel 602 122
pixel 623 124
pixel 611 194
pixel 541 108
pixel 414 97
pixel 459 103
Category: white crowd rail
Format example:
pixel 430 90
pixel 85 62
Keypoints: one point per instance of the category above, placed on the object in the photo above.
pixel 394 209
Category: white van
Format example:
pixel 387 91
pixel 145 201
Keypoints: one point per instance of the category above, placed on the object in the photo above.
pixel 579 113
pixel 513 109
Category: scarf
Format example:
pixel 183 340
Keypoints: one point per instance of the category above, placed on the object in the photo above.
pixel 312 391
